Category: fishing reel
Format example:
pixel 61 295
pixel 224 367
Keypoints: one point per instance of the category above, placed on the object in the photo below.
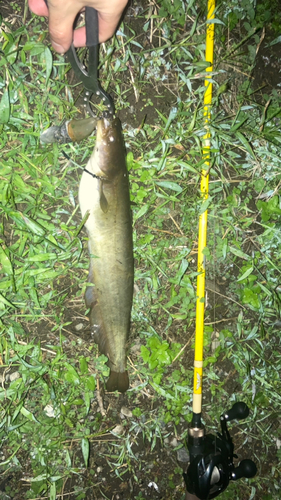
pixel 211 457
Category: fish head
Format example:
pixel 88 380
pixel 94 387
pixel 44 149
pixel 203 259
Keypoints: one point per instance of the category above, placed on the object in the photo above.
pixel 110 147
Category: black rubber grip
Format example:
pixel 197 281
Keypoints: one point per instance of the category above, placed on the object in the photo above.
pixel 92 27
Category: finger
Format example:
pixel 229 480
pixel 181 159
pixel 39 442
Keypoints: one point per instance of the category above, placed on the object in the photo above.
pixel 107 29
pixel 107 26
pixel 79 37
pixel 38 7
pixel 61 19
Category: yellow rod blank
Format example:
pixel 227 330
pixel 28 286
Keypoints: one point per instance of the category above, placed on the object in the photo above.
pixel 202 235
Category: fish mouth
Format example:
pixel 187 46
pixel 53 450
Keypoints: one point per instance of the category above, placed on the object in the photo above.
pixel 106 129
pixel 107 122
pixel 104 123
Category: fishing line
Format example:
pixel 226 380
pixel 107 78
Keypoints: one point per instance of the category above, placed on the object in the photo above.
pixel 84 169
pixel 93 175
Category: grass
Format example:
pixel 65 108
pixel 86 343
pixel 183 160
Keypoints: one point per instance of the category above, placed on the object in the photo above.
pixel 54 428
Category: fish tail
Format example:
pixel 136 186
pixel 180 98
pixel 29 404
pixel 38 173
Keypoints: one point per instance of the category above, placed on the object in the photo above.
pixel 118 381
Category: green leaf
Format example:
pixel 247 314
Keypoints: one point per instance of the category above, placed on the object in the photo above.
pixel 187 166
pixel 239 253
pixel 5 107
pixel 145 353
pixel 91 383
pixel 67 458
pixel 161 391
pixel 26 413
pixel 153 364
pixel 85 450
pixel 205 205
pixel 266 291
pixel 276 40
pixel 250 297
pixel 7 267
pixel 164 358
pixel 69 423
pixel 142 211
pixel 29 45
pixel 13 52
pixel 25 222
pixel 245 143
pixel 6 301
pixel 215 21
pixel 83 365
pixel 41 257
pixel 246 274
pixel 169 185
pixel 87 400
pixel 71 375
pixel 37 49
pixel 239 124
pixel 179 316
pixel 39 478
pixel 171 117
pixel 78 402
pixel 209 360
pixel 49 63
pixel 53 491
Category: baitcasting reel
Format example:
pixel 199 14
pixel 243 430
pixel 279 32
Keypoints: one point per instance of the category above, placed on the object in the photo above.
pixel 211 457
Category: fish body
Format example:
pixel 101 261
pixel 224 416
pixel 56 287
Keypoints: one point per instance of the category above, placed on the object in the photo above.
pixel 104 193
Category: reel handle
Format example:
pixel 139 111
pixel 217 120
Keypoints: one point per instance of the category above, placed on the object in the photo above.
pixel 238 411
pixel 246 468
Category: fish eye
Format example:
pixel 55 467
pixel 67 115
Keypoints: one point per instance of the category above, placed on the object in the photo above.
pixel 111 138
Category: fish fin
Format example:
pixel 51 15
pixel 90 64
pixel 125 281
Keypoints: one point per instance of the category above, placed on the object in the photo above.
pixel 90 295
pixel 97 328
pixel 90 300
pixel 95 319
pixel 118 381
pixel 103 200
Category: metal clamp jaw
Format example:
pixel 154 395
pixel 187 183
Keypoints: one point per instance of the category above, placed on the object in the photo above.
pixel 90 80
pixel 211 458
pixel 89 77
pixel 77 130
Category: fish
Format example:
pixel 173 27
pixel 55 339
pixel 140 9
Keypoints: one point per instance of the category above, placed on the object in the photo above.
pixel 104 195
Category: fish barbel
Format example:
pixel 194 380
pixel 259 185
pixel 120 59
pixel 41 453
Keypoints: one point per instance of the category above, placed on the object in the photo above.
pixel 104 193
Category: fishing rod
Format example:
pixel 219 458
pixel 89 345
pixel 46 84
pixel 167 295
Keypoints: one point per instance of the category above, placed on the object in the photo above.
pixel 211 457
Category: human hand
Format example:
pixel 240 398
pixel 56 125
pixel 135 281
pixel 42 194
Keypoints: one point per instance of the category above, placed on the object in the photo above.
pixel 62 14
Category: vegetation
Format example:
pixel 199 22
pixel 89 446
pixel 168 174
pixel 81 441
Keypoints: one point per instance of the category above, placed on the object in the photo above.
pixel 55 429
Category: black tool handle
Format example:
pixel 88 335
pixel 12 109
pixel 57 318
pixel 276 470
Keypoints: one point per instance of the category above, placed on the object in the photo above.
pixel 92 27
pixel 90 78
